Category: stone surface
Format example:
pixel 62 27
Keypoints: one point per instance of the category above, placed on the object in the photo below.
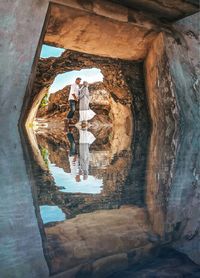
pixel 175 153
pixel 108 112
pixel 21 26
pixel 163 142
pixel 21 252
pixel 118 74
pixel 168 264
pixel 168 10
pixel 106 266
pixel 184 199
pixel 74 29
pixel 118 232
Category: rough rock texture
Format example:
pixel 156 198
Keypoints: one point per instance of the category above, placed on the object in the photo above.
pixel 109 161
pixel 186 183
pixel 58 104
pixel 117 76
pixel 164 10
pixel 21 26
pixel 18 226
pixel 163 142
pixel 120 231
pixel 174 152
pixel 74 29
pixel 108 112
pixel 169 264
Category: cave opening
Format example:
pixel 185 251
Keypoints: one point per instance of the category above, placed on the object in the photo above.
pixel 80 172
pixel 113 84
pixel 136 210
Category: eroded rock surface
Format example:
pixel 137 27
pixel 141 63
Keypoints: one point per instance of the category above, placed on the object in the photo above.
pixel 74 29
pixel 121 78
pixel 173 166
pixel 119 232
pixel 168 10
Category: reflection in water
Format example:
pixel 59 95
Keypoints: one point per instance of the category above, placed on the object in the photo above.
pixel 97 217
pixel 78 180
pixel 73 183
pixel 51 214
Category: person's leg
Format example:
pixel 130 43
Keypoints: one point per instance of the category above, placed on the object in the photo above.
pixel 72 143
pixel 72 105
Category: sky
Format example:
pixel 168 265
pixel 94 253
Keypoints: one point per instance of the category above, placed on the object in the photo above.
pixel 90 75
pixel 68 78
pixel 50 51
pixel 91 186
pixel 51 214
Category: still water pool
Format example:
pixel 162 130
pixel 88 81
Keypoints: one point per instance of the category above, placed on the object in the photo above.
pixel 99 216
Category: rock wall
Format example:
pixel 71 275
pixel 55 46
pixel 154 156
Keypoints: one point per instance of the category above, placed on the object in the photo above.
pixel 163 141
pixel 108 111
pixel 118 236
pixel 58 104
pixel 21 27
pixel 21 245
pixel 184 198
pixel 64 31
pixel 118 74
pixel 172 180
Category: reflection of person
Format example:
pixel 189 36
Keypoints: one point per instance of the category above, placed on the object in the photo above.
pixel 73 158
pixel 72 144
pixel 73 98
pixel 84 160
pixel 84 100
pixel 86 138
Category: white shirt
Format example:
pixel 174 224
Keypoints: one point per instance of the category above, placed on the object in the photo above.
pixel 74 90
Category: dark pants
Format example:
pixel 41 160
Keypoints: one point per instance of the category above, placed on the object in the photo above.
pixel 72 104
pixel 72 144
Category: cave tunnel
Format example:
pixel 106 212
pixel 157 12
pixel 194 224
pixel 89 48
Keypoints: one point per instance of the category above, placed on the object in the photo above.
pixel 135 208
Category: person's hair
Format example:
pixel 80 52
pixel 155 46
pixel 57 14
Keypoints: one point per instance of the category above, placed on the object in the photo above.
pixel 78 78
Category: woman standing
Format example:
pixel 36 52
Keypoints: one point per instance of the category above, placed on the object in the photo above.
pixel 84 100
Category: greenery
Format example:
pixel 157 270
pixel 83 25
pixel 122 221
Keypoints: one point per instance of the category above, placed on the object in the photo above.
pixel 44 101
pixel 45 155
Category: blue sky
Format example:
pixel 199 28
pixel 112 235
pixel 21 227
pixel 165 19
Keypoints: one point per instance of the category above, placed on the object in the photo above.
pixel 67 78
pixel 90 75
pixel 51 214
pixel 91 186
pixel 50 51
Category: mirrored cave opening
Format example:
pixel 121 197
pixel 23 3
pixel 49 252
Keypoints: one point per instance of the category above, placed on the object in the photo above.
pixel 90 166
pixel 93 173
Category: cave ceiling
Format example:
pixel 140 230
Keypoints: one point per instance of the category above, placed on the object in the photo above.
pixel 127 35
pixel 82 31
pixel 170 10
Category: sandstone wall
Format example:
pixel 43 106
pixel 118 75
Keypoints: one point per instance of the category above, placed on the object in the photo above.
pixel 121 78
pixel 74 29
pixel 163 145
pixel 21 26
pixel 79 247
pixel 173 167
